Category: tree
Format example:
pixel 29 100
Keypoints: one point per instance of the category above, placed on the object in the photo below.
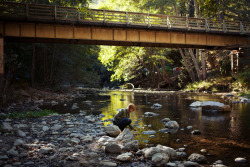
pixel 225 9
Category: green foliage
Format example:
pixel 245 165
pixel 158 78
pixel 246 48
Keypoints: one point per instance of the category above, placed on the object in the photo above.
pixel 245 94
pixel 213 84
pixel 54 64
pixel 124 61
pixel 121 61
pixel 204 85
pixel 242 81
pixel 29 114
pixel 225 9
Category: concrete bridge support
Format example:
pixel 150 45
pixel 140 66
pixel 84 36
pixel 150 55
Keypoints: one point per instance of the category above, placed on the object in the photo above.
pixel 1 63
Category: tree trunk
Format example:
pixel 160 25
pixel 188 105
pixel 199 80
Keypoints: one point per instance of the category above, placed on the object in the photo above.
pixel 33 66
pixel 165 77
pixel 196 64
pixel 197 13
pixel 203 62
pixel 191 8
pixel 188 66
pixel 143 64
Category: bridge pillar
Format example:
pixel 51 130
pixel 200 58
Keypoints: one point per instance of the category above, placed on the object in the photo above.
pixel 1 63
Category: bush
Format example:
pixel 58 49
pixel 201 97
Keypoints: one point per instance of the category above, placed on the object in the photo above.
pixel 242 81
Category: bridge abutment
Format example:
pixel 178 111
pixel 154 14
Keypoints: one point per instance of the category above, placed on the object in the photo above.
pixel 1 63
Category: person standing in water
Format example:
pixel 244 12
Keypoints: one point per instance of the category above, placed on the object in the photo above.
pixel 121 119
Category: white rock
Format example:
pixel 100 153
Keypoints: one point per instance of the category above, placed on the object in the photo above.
pixel 53 103
pixel 7 126
pixel 45 128
pixel 87 138
pixel 160 159
pixel 168 150
pixel 75 140
pixel 125 137
pixel 149 152
pixel 113 148
pixel 241 160
pixel 45 150
pixel 165 120
pixel 12 152
pixel 125 157
pixel 171 125
pixel 104 140
pixel 112 130
pixel 18 142
pixel 196 104
pixel 150 114
pixel 56 127
pixel 21 133
pixel 107 163
pixel 156 106
pixel 8 120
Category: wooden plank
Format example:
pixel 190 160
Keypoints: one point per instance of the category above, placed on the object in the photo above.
pixel 102 34
pixel 28 30
pixel 196 39
pixel 45 31
pixel 147 36
pixel 133 35
pixel 178 37
pixel 120 35
pixel 82 32
pixel 12 29
pixel 64 32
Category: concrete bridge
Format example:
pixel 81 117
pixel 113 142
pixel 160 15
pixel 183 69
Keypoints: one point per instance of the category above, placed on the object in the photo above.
pixel 42 23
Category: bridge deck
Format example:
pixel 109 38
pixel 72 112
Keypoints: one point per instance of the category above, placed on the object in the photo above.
pixel 43 23
pixel 44 13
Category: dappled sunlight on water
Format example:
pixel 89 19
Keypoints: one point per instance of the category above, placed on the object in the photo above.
pixel 222 134
pixel 225 136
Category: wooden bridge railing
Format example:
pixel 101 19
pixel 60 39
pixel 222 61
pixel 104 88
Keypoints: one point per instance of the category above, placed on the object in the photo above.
pixel 9 10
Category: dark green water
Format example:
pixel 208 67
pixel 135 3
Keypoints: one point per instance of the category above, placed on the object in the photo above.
pixel 225 136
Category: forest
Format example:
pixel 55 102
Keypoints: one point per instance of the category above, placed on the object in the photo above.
pixel 51 65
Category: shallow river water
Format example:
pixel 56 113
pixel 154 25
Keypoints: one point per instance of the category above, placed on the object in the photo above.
pixel 224 136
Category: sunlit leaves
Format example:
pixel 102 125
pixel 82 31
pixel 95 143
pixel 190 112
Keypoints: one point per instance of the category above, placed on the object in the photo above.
pixel 121 61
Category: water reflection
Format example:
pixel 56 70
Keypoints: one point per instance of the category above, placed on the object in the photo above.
pixel 221 134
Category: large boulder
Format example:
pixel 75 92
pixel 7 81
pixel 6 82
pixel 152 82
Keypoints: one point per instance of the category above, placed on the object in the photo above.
pixel 172 125
pixel 201 159
pixel 160 159
pixel 149 152
pixel 125 137
pixel 131 146
pixel 112 130
pixel 113 148
pixel 104 140
pixel 211 106
pixel 196 104
pixel 168 150
pixel 125 157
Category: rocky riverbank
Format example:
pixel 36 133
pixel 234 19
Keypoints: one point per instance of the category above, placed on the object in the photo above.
pixel 79 140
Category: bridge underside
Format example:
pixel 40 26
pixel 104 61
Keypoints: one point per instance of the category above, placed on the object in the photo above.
pixel 118 36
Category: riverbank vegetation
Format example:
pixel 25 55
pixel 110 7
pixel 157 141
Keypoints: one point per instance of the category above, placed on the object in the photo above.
pixel 28 114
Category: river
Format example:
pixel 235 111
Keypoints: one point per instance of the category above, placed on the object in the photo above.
pixel 224 136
